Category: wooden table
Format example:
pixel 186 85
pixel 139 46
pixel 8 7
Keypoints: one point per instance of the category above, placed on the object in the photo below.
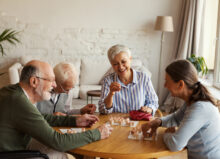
pixel 119 146
pixel 93 93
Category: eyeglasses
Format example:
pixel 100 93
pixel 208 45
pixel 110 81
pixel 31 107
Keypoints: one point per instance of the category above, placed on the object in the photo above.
pixel 46 79
pixel 64 90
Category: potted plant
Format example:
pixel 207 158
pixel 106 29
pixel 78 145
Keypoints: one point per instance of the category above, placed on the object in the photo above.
pixel 199 63
pixel 8 35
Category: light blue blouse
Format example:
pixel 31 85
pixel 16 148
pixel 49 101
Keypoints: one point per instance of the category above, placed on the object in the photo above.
pixel 199 130
pixel 132 96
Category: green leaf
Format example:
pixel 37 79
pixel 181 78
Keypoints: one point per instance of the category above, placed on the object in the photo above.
pixel 11 41
pixel 4 33
pixel 193 56
pixel 199 63
pixel 10 36
pixel 1 49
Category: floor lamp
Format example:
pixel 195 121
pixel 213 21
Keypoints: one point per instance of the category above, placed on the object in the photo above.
pixel 163 24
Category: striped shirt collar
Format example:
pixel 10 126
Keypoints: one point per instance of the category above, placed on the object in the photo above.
pixel 134 78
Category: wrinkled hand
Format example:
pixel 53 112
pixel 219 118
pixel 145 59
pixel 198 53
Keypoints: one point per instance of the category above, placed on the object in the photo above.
pixel 105 131
pixel 115 87
pixel 86 120
pixel 171 129
pixel 146 109
pixel 88 109
pixel 59 114
pixel 149 129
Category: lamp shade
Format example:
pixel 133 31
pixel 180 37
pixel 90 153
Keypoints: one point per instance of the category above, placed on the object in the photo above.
pixel 164 23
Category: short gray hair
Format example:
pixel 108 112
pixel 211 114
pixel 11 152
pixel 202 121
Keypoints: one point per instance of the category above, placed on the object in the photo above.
pixel 27 72
pixel 64 71
pixel 116 49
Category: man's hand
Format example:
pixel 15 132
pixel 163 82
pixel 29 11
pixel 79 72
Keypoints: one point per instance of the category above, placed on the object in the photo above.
pixel 171 130
pixel 149 129
pixel 105 130
pixel 59 114
pixel 86 120
pixel 88 109
pixel 146 109
pixel 115 87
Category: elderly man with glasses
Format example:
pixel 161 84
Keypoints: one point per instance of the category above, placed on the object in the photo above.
pixel 20 121
pixel 61 99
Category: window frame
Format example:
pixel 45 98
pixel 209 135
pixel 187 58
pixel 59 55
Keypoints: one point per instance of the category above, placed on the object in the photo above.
pixel 217 54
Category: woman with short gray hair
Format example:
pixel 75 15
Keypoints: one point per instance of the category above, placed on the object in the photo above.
pixel 126 89
pixel 116 49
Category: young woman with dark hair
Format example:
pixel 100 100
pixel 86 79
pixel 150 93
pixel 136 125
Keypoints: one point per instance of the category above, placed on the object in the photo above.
pixel 196 125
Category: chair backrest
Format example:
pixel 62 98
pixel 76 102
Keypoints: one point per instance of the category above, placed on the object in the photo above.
pixel 14 73
pixel 21 154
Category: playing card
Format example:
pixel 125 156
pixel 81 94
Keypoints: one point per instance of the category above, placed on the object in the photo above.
pixel 138 135
pixel 72 130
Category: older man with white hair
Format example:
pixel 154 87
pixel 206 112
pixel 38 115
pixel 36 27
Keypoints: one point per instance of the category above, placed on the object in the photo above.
pixel 61 99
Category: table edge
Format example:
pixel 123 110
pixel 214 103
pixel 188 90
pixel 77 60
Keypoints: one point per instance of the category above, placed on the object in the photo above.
pixel 128 156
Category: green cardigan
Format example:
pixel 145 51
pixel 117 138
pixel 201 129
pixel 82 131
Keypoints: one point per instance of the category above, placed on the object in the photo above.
pixel 20 120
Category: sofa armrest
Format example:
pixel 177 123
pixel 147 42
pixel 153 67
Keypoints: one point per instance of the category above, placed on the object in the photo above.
pixel 14 73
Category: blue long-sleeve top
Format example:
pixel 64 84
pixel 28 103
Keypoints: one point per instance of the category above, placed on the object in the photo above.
pixel 198 130
pixel 139 92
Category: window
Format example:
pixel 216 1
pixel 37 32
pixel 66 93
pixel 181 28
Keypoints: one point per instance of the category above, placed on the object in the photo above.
pixel 217 54
pixel 210 49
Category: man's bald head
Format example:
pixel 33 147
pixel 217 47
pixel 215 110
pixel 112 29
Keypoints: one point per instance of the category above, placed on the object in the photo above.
pixel 35 68
pixel 38 80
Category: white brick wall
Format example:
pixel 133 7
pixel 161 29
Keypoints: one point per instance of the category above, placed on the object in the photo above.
pixel 52 43
pixel 88 28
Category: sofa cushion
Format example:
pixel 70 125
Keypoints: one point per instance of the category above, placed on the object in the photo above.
pixel 85 88
pixel 75 91
pixel 76 63
pixel 93 69
pixel 14 73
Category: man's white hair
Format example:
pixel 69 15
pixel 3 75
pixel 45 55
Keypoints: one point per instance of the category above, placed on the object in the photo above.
pixel 116 49
pixel 64 71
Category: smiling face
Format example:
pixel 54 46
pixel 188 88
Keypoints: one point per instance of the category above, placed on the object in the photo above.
pixel 46 84
pixel 172 86
pixel 122 64
pixel 66 86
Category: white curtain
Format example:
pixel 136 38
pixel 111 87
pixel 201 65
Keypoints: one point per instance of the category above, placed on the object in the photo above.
pixel 190 29
pixel 189 40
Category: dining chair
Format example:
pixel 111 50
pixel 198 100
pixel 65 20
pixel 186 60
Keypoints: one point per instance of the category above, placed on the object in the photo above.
pixel 159 113
pixel 21 154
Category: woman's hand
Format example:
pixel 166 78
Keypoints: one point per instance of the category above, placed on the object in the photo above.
pixel 171 129
pixel 149 129
pixel 114 87
pixel 146 109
